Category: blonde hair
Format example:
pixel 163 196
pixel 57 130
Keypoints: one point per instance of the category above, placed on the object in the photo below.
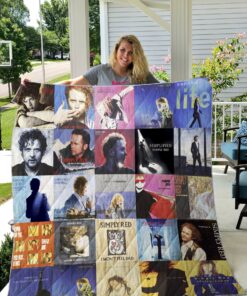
pixel 83 281
pixel 115 199
pixel 79 230
pixel 164 101
pixel 138 69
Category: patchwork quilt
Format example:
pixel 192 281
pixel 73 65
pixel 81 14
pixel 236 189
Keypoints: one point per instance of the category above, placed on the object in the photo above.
pixel 113 192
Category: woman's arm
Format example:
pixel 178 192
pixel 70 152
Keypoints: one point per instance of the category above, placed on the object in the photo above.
pixel 75 81
pixel 151 79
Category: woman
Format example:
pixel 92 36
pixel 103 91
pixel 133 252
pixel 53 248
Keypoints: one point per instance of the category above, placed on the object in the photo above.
pixel 127 65
pixel 116 208
pixel 84 287
pixel 163 115
pixel 117 286
pixel 209 282
pixel 80 241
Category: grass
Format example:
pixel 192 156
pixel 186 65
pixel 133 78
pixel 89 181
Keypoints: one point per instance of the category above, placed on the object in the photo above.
pixel 60 78
pixel 36 63
pixel 5 192
pixel 4 101
pixel 7 121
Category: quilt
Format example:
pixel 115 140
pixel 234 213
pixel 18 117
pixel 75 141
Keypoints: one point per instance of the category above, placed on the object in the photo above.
pixel 113 192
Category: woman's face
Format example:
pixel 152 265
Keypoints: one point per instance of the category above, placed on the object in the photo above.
pixel 119 202
pixel 114 284
pixel 163 107
pixel 207 268
pixel 124 54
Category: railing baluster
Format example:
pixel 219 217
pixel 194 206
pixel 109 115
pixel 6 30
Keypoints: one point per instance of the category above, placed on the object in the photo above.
pixel 239 110
pixel 215 129
pixel 240 115
pixel 223 121
pixel 231 118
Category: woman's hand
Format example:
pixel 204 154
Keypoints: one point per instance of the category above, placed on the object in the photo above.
pixel 24 80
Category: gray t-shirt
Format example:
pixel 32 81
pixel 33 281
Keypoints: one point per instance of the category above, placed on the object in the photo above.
pixel 104 75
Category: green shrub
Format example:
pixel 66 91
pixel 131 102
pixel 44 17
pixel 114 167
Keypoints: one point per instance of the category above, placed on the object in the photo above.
pixel 5 260
pixel 159 72
pixel 97 59
pixel 224 67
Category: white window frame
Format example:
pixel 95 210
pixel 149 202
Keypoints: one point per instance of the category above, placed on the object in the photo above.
pixel 9 62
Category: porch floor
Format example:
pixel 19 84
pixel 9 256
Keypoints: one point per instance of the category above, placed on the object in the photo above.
pixel 234 241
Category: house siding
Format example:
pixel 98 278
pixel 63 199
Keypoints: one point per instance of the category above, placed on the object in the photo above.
pixel 211 21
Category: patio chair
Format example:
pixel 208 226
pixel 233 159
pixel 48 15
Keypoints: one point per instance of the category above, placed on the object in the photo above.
pixel 234 152
pixel 239 191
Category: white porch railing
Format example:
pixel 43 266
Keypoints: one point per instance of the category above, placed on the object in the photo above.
pixel 225 114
